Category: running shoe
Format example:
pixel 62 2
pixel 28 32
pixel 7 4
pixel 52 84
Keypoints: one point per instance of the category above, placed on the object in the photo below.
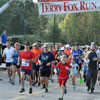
pixel 39 84
pixel 60 99
pixel 74 86
pixel 65 91
pixel 92 90
pixel 80 81
pixel 12 82
pixel 46 90
pixel 22 90
pixel 88 89
pixel 30 90
pixel 52 80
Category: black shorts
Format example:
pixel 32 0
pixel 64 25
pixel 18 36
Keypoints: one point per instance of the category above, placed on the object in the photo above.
pixel 79 67
pixel 35 67
pixel 45 72
pixel 8 64
pixel 16 65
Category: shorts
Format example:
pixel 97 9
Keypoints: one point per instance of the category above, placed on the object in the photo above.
pixel 79 67
pixel 16 65
pixel 62 82
pixel 28 72
pixel 45 72
pixel 8 64
pixel 35 67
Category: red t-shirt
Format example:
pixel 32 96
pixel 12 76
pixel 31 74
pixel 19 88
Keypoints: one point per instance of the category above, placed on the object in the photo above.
pixel 54 53
pixel 63 71
pixel 26 55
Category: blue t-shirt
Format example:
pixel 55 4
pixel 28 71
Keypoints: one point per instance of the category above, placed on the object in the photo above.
pixel 74 66
pixel 77 53
pixel 15 57
pixel 46 58
pixel 85 66
pixel 3 38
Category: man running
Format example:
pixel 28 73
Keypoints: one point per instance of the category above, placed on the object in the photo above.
pixel 36 50
pixel 7 54
pixel 92 69
pixel 26 57
pixel 45 60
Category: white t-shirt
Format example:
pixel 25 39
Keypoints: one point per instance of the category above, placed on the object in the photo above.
pixel 74 66
pixel 9 52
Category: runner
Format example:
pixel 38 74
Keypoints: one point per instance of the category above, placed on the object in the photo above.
pixel 92 69
pixel 45 60
pixel 26 57
pixel 78 55
pixel 73 73
pixel 7 54
pixel 58 58
pixel 63 74
pixel 14 66
pixel 36 77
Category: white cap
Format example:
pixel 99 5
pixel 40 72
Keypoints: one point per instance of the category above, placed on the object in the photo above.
pixel 62 48
pixel 92 43
pixel 67 46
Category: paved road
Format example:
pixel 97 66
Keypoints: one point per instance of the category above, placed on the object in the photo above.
pixel 10 92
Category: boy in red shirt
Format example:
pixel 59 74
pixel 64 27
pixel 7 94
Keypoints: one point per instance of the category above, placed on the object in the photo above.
pixel 63 73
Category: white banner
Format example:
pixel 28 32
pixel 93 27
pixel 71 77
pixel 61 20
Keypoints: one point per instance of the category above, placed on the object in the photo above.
pixel 64 6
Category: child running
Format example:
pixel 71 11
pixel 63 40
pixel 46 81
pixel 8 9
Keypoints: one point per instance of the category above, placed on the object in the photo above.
pixel 73 73
pixel 63 74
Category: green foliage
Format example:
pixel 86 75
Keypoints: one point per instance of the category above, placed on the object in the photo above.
pixel 22 18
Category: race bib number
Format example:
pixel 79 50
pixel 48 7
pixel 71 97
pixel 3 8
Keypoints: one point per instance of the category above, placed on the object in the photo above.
pixel 25 63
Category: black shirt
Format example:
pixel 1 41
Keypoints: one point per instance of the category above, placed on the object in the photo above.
pixel 46 58
pixel 92 64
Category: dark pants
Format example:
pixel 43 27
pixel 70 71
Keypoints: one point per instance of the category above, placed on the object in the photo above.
pixel 91 78
pixel 84 75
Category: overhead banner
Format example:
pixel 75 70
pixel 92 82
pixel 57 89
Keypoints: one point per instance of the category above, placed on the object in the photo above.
pixel 47 7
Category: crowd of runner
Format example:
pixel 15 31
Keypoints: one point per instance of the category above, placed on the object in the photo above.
pixel 39 64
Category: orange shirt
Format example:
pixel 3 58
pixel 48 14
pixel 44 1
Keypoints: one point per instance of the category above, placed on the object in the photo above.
pixel 37 53
pixel 67 51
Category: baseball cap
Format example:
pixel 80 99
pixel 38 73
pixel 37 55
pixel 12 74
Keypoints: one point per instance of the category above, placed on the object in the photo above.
pixel 67 46
pixel 92 43
pixel 76 44
pixel 62 48
pixel 35 44
pixel 27 43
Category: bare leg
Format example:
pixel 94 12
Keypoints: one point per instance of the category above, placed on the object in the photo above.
pixel 13 72
pixel 18 72
pixel 30 80
pixel 62 91
pixel 22 78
